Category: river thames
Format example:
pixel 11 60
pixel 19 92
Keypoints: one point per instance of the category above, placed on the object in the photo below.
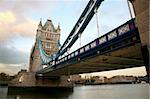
pixel 120 91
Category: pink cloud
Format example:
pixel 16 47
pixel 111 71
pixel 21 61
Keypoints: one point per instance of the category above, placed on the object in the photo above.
pixel 11 28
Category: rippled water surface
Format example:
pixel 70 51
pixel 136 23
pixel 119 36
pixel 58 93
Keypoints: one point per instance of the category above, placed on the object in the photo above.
pixel 127 91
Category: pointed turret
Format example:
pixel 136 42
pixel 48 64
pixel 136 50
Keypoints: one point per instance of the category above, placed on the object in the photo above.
pixel 40 24
pixel 58 28
pixel 49 19
pixel 48 26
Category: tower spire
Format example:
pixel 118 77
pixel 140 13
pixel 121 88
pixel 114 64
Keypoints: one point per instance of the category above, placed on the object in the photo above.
pixel 58 28
pixel 49 18
pixel 40 24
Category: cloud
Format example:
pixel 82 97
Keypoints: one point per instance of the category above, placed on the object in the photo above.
pixel 26 29
pixel 11 55
pixel 17 23
pixel 19 17
pixel 10 28
pixel 7 17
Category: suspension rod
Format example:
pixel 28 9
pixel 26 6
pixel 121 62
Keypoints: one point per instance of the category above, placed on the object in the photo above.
pixel 77 24
pixel 81 29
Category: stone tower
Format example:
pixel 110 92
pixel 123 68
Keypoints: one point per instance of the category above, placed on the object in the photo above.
pixel 49 39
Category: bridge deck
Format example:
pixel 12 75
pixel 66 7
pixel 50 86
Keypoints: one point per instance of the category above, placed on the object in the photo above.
pixel 120 49
pixel 124 58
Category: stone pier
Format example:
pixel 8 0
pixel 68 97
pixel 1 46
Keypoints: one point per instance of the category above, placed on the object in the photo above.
pixel 27 82
pixel 141 9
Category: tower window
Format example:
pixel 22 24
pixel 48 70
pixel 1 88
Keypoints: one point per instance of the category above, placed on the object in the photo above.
pixel 47 45
pixel 46 34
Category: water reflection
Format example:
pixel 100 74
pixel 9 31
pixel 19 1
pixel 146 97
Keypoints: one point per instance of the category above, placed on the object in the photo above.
pixel 120 91
pixel 59 95
pixel 3 92
pixel 126 91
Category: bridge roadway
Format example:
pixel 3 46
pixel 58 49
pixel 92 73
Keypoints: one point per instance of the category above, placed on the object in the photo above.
pixel 118 49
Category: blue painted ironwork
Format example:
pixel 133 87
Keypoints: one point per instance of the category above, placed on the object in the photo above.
pixel 123 32
pixel 79 27
pixel 113 40
pixel 44 57
pixel 108 42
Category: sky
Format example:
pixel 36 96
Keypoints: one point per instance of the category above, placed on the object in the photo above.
pixel 19 20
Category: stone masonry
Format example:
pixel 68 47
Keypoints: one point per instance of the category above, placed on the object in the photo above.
pixel 49 39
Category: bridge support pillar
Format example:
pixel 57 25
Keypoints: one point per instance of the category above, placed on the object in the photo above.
pixel 29 82
pixel 141 8
pixel 145 54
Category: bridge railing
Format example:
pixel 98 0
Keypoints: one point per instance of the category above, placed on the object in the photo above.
pixel 115 39
pixel 128 26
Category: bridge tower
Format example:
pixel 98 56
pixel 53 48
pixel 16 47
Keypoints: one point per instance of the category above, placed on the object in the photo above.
pixel 49 36
pixel 141 8
pixel 49 39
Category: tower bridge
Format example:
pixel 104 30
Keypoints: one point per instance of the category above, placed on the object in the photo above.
pixel 118 49
pixel 124 47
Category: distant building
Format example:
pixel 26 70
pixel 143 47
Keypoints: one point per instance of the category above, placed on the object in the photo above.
pixel 141 79
pixel 98 79
pixel 76 79
pixel 49 39
pixel 122 79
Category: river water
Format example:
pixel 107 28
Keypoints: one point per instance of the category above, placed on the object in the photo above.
pixel 122 91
